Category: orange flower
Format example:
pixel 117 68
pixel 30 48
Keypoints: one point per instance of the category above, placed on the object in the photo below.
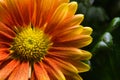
pixel 40 40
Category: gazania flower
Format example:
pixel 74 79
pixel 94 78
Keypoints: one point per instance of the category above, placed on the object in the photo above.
pixel 40 40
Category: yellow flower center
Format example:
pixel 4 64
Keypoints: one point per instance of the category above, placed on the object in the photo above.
pixel 30 44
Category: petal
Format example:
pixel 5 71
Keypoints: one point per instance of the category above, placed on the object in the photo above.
pixel 42 11
pixel 74 20
pixel 7 69
pixel 73 77
pixel 81 66
pixel 57 17
pixel 86 55
pixel 33 77
pixel 6 29
pixel 21 72
pixel 25 10
pixel 73 56
pixel 71 67
pixel 71 33
pixel 79 42
pixel 53 71
pixel 17 12
pixel 6 50
pixel 63 1
pixel 4 14
pixel 3 56
pixel 40 72
pixel 86 31
pixel 13 11
pixel 68 23
pixel 4 45
pixel 69 53
pixel 6 34
pixel 72 9
pixel 66 67
pixel 4 37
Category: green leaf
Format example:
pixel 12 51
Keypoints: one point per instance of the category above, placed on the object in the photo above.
pixel 105 43
pixel 106 55
pixel 114 24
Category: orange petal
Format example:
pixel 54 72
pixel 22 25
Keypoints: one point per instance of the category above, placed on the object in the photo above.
pixel 69 53
pixel 68 23
pixel 6 29
pixel 79 42
pixel 73 77
pixel 63 1
pixel 69 34
pixel 70 71
pixel 4 45
pixel 66 67
pixel 6 50
pixel 3 56
pixel 81 66
pixel 4 14
pixel 4 37
pixel 73 56
pixel 74 20
pixel 24 10
pixel 13 11
pixel 72 9
pixel 77 19
pixel 42 11
pixel 40 72
pixel 7 69
pixel 57 17
pixel 53 71
pixel 21 72
pixel 33 76
pixel 17 12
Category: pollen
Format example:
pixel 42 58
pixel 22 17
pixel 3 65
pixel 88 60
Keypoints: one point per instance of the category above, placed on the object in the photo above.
pixel 30 44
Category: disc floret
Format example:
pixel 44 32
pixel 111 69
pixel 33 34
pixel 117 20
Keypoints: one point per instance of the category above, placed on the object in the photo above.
pixel 30 44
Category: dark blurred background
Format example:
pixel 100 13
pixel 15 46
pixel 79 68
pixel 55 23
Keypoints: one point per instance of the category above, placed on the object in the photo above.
pixel 104 17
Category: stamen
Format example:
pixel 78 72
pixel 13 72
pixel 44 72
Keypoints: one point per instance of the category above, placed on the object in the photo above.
pixel 30 44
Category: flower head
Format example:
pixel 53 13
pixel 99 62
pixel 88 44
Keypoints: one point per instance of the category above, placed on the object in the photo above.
pixel 40 40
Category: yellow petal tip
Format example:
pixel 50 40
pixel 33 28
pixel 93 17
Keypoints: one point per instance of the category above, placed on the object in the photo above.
pixel 80 17
pixel 87 30
pixel 74 3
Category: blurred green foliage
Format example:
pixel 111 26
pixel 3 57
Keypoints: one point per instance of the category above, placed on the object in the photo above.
pixel 104 17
